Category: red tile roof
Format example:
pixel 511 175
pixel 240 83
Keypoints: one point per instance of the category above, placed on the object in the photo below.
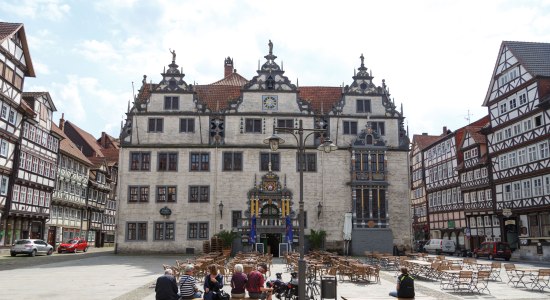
pixel 69 148
pixel 321 98
pixel 217 97
pixel 233 79
pixel 424 141
pixel 145 92
pixel 88 138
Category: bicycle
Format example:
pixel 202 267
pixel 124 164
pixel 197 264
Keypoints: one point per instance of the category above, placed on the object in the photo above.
pixel 313 290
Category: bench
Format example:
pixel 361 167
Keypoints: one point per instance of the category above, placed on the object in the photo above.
pixel 390 297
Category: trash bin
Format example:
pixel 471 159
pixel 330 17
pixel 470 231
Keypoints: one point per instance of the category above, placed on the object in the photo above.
pixel 328 287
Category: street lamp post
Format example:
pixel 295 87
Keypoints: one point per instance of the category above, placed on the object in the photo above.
pixel 327 146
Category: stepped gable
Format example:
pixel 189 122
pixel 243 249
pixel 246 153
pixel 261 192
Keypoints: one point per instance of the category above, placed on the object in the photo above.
pixel 320 99
pixel 67 146
pixel 270 76
pixel 7 30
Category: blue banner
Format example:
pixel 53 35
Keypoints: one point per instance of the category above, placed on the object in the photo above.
pixel 289 236
pixel 252 238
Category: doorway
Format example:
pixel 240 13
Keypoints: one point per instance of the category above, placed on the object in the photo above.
pixel 273 240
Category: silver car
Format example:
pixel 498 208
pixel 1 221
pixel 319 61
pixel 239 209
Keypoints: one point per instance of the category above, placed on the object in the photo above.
pixel 31 247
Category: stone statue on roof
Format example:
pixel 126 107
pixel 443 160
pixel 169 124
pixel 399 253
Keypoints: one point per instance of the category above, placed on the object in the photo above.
pixel 173 54
pixel 270 44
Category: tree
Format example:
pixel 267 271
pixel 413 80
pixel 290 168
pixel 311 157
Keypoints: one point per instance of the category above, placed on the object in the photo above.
pixel 316 238
pixel 227 238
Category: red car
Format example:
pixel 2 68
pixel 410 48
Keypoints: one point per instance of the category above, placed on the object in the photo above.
pixel 73 245
pixel 493 250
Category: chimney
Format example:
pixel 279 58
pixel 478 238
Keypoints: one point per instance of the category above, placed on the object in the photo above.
pixel 444 129
pixel 228 67
pixel 424 133
pixel 62 121
pixel 103 139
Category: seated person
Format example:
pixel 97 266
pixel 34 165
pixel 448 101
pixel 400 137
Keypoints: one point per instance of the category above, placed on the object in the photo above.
pixel 255 284
pixel 188 284
pixel 238 282
pixel 213 283
pixel 405 285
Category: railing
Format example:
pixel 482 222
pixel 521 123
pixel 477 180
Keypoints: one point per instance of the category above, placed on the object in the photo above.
pixel 369 176
pixel 267 222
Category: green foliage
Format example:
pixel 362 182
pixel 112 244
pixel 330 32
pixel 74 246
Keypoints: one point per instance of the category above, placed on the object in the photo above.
pixel 316 238
pixel 227 238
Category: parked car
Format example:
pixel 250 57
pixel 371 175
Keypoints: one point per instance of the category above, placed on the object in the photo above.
pixel 73 245
pixel 31 247
pixel 493 250
pixel 439 246
pixel 419 246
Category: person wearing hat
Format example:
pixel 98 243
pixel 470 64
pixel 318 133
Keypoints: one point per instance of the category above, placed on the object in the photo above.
pixel 188 284
pixel 255 284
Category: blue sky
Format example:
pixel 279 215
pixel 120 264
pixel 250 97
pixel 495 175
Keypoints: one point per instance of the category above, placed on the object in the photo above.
pixel 437 56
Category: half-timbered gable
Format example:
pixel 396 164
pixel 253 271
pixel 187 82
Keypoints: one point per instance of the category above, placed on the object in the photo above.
pixel 166 144
pixel 518 142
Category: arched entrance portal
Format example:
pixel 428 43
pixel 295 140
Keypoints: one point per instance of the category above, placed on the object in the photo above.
pixel 269 219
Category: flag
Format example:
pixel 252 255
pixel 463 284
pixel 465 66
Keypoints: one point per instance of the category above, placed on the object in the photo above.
pixel 252 238
pixel 288 230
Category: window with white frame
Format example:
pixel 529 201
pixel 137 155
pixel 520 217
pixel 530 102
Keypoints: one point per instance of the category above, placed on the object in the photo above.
pixel 473 222
pixel 479 221
pixel 517 190
pixel 473 197
pixel 508 192
pixel 503 108
pixel 543 150
pixel 526 188
pixel 487 220
pixel 484 172
pixel 517 129
pixel 508 132
pixel 498 135
pixel 477 174
pixel 489 195
pixel 527 124
pixel 522 99
pixel 532 153
pixel 466 197
pixel 4 148
pixel 455 195
pixel 537 186
pixel 512 159
pixel 546 180
pixel 481 196
pixel 521 156
pixel 513 103
pixel 503 161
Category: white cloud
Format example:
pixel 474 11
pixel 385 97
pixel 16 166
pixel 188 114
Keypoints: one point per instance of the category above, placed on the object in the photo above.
pixel 41 69
pixel 52 10
pixel 98 51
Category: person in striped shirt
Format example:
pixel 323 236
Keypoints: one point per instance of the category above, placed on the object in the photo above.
pixel 188 284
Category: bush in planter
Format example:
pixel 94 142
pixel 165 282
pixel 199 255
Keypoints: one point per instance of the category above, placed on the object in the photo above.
pixel 227 238
pixel 316 238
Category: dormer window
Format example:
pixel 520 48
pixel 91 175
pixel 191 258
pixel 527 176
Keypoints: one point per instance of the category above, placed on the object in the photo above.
pixel 171 103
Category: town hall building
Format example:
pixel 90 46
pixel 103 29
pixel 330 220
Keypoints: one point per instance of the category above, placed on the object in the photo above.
pixel 193 162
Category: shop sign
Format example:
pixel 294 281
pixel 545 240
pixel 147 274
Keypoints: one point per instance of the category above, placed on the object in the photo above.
pixel 507 212
pixel 451 224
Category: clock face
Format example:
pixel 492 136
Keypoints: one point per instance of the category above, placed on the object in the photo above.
pixel 269 102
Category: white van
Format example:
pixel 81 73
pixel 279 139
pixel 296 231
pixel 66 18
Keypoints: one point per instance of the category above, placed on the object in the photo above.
pixel 438 246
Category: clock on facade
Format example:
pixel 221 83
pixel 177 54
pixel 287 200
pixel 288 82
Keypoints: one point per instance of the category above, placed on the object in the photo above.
pixel 269 102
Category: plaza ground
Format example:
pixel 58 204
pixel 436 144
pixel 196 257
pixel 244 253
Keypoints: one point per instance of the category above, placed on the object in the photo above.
pixel 101 275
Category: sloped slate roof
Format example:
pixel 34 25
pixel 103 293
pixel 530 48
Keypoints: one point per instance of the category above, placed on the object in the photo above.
pixel 321 98
pixel 535 57
pixel 68 147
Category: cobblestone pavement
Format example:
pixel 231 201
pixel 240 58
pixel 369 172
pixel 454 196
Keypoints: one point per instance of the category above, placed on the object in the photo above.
pixel 101 275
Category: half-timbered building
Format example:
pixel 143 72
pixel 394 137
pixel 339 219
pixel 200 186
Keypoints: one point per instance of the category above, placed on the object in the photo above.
pixel 518 101
pixel 475 185
pixel 15 65
pixel 69 198
pixel 419 203
pixel 35 172
pixel 193 162
pixel 445 206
